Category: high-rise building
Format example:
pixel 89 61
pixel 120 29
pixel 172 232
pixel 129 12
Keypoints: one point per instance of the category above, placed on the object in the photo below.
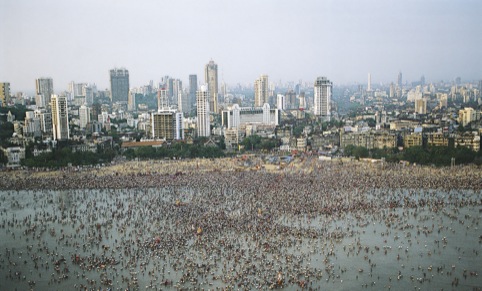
pixel 280 102
pixel 45 88
pixel 176 89
pixel 211 79
pixel 60 117
pixel 4 94
pixel 261 90
pixel 421 106
pixel 392 90
pixel 162 99
pixel 84 116
pixel 399 81
pixel 119 85
pixel 202 103
pixel 480 88
pixel 167 124
pixel 192 89
pixel 131 103
pixel 369 86
pixel 322 98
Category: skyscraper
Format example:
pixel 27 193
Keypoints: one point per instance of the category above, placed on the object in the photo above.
pixel 261 91
pixel 84 116
pixel 162 99
pixel 369 87
pixel 322 98
pixel 202 102
pixel 211 78
pixel 399 82
pixel 119 85
pixel 60 117
pixel 4 94
pixel 192 89
pixel 45 88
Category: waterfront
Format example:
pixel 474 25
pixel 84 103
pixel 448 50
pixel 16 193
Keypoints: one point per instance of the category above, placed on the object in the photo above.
pixel 321 226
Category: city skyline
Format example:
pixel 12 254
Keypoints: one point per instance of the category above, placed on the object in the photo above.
pixel 82 40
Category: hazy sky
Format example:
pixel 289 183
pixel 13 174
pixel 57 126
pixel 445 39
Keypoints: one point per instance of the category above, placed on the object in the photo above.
pixel 73 40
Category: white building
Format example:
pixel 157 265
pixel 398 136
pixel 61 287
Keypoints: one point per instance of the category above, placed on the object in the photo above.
pixel 280 102
pixel 235 116
pixel 202 102
pixel 322 98
pixel 60 118
pixel 261 91
pixel 84 116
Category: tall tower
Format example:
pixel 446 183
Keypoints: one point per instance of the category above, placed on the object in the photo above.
pixel 60 117
pixel 84 116
pixel 211 78
pixel 4 94
pixel 44 87
pixel 192 88
pixel 261 91
pixel 119 85
pixel 162 99
pixel 202 102
pixel 322 99
pixel 369 87
pixel 399 81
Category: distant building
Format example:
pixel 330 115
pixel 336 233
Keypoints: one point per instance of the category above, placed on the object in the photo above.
pixel 44 89
pixel 466 116
pixel 202 102
pixel 322 98
pixel 211 79
pixel 192 89
pixel 280 102
pixel 60 118
pixel 412 140
pixel 470 140
pixel 31 127
pixel 261 91
pixel 369 140
pixel 4 94
pixel 421 106
pixel 437 139
pixel 162 99
pixel 14 155
pixel 167 124
pixel 119 85
pixel 131 103
pixel 235 116
pixel 84 116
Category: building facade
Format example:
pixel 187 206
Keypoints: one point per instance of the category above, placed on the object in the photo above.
pixel 60 118
pixel 211 79
pixel 202 103
pixel 261 91
pixel 167 124
pixel 84 116
pixel 44 89
pixel 322 98
pixel 119 85
pixel 4 94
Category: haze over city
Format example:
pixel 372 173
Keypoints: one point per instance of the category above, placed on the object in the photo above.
pixel 288 40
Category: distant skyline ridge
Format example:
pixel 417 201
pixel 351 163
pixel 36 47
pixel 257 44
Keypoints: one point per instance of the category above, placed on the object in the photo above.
pixel 286 40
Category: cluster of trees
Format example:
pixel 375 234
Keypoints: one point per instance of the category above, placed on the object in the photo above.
pixel 63 156
pixel 255 142
pixel 178 150
pixel 438 156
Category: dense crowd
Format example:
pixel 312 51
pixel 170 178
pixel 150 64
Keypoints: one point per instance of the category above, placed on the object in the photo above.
pixel 220 223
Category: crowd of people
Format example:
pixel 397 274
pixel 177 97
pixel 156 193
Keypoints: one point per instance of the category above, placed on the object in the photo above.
pixel 229 223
